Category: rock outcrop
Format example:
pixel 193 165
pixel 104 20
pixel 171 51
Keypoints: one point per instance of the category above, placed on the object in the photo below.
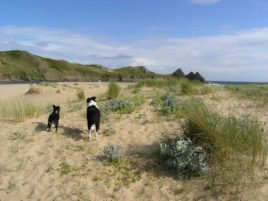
pixel 195 76
pixel 190 76
pixel 178 73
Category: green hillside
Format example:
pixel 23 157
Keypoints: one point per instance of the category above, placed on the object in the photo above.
pixel 18 65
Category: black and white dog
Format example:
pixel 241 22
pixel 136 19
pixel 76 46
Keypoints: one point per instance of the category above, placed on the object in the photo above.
pixel 54 118
pixel 93 117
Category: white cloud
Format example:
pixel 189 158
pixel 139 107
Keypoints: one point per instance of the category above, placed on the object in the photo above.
pixel 236 56
pixel 139 61
pixel 205 2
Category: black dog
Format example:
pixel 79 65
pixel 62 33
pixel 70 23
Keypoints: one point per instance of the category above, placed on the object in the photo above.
pixel 93 117
pixel 54 118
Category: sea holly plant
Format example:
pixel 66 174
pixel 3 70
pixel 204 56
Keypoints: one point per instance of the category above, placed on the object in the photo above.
pixel 112 153
pixel 124 105
pixel 168 104
pixel 182 156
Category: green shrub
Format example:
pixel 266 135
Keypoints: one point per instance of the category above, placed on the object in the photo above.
pixel 113 90
pixel 80 94
pixel 112 153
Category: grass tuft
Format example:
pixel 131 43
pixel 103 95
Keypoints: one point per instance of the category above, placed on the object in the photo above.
pixel 80 94
pixel 34 90
pixel 113 90
pixel 18 110
pixel 236 147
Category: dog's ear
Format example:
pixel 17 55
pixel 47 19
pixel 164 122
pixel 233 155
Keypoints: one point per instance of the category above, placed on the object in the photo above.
pixel 88 100
pixel 94 98
pixel 53 106
pixel 58 108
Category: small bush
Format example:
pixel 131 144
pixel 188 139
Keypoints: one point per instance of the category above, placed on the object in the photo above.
pixel 80 94
pixel 113 90
pixel 112 153
pixel 180 155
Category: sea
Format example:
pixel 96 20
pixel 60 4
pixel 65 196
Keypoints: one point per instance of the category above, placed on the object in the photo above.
pixel 236 83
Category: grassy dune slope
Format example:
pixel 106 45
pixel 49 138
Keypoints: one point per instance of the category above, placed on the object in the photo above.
pixel 21 65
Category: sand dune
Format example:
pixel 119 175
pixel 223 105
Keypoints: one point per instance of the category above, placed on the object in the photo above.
pixel 37 165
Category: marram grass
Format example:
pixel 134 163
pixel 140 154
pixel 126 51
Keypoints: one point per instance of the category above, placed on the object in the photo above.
pixel 236 146
pixel 18 110
pixel 80 94
pixel 113 90
pixel 34 90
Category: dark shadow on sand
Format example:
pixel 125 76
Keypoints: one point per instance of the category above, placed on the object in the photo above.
pixel 40 127
pixel 74 133
pixel 147 159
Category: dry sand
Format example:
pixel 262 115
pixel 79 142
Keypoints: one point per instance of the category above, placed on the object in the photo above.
pixel 37 165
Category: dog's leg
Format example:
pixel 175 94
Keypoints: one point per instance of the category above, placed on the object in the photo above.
pixel 97 135
pixel 56 126
pixel 89 135
pixel 48 126
pixel 97 129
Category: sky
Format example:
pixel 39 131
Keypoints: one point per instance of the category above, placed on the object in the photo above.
pixel 224 40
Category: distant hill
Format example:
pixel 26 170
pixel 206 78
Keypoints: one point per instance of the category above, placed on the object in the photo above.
pixel 16 65
pixel 19 65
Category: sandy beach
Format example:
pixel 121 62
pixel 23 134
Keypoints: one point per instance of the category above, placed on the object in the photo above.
pixel 40 165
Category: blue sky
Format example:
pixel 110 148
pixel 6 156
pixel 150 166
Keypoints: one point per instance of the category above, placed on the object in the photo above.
pixel 222 39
